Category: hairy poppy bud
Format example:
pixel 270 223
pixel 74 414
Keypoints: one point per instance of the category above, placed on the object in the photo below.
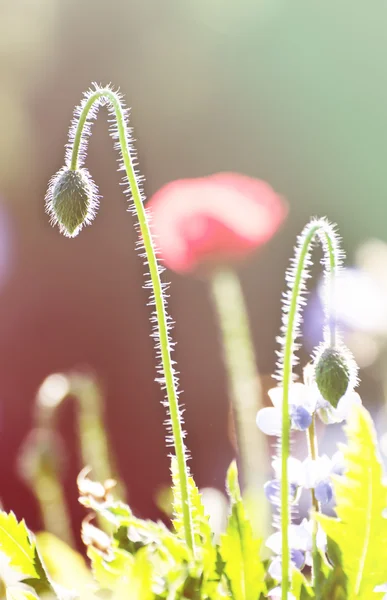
pixel 71 200
pixel 334 370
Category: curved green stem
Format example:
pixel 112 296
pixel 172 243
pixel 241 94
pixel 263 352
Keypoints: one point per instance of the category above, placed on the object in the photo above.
pixel 170 383
pixel 39 465
pixel 324 232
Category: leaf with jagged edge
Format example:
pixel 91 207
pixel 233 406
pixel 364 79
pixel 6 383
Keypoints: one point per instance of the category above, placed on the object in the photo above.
pixel 131 533
pixel 108 571
pixel 360 530
pixel 201 526
pixel 137 583
pixel 169 556
pixel 174 567
pixel 238 548
pixel 16 544
pixel 203 536
pixel 65 566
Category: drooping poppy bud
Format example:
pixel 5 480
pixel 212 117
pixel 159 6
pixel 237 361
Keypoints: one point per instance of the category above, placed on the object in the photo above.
pixel 213 221
pixel 71 200
pixel 334 371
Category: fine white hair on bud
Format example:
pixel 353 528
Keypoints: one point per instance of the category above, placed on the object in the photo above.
pixel 71 200
pixel 335 372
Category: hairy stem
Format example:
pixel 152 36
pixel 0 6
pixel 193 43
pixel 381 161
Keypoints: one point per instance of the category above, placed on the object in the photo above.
pixel 297 276
pixel 244 382
pixel 165 349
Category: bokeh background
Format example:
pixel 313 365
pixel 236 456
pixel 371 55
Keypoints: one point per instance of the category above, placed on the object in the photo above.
pixel 291 92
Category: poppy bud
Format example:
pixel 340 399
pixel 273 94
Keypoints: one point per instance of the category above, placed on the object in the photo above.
pixel 333 373
pixel 71 200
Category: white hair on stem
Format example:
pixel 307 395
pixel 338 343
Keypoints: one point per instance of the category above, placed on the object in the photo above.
pixel 292 303
pixel 76 150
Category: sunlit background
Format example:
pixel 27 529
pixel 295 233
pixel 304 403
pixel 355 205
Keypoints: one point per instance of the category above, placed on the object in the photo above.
pixel 294 93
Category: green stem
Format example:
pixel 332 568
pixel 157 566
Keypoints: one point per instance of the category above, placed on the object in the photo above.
pixel 244 383
pixel 313 453
pixel 170 382
pixel 92 438
pixel 39 464
pixel 48 491
pixel 297 276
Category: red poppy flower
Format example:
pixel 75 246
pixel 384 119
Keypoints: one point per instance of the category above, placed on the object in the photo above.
pixel 213 220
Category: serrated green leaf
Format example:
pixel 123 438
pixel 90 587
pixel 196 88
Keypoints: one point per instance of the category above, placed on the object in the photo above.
pixel 238 548
pixel 206 554
pixel 360 530
pixel 109 570
pixel 202 530
pixel 65 566
pixel 138 583
pixel 41 583
pixel 16 543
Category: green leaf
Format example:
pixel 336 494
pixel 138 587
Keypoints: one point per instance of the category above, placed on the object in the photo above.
pixel 201 526
pixel 108 571
pixel 335 585
pixel 360 530
pixel 138 583
pixel 41 583
pixel 238 548
pixel 65 566
pixel 206 553
pixel 16 543
pixel 300 587
pixel 18 593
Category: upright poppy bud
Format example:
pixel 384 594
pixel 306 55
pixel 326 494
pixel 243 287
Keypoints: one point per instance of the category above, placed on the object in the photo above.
pixel 71 200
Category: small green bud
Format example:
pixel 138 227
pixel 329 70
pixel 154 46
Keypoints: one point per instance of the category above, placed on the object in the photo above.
pixel 71 200
pixel 333 374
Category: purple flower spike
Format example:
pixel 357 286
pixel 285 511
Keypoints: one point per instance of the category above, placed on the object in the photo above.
pixel 323 492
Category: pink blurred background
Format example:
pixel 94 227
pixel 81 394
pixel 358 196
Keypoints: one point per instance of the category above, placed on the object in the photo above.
pixel 294 94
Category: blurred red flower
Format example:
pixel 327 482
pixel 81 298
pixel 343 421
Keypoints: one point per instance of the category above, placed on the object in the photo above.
pixel 214 220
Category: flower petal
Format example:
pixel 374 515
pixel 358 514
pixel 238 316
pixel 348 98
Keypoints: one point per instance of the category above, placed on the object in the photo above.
pixel 346 403
pixel 323 492
pixel 295 470
pixel 212 220
pixel 301 418
pixel 269 420
pixel 275 569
